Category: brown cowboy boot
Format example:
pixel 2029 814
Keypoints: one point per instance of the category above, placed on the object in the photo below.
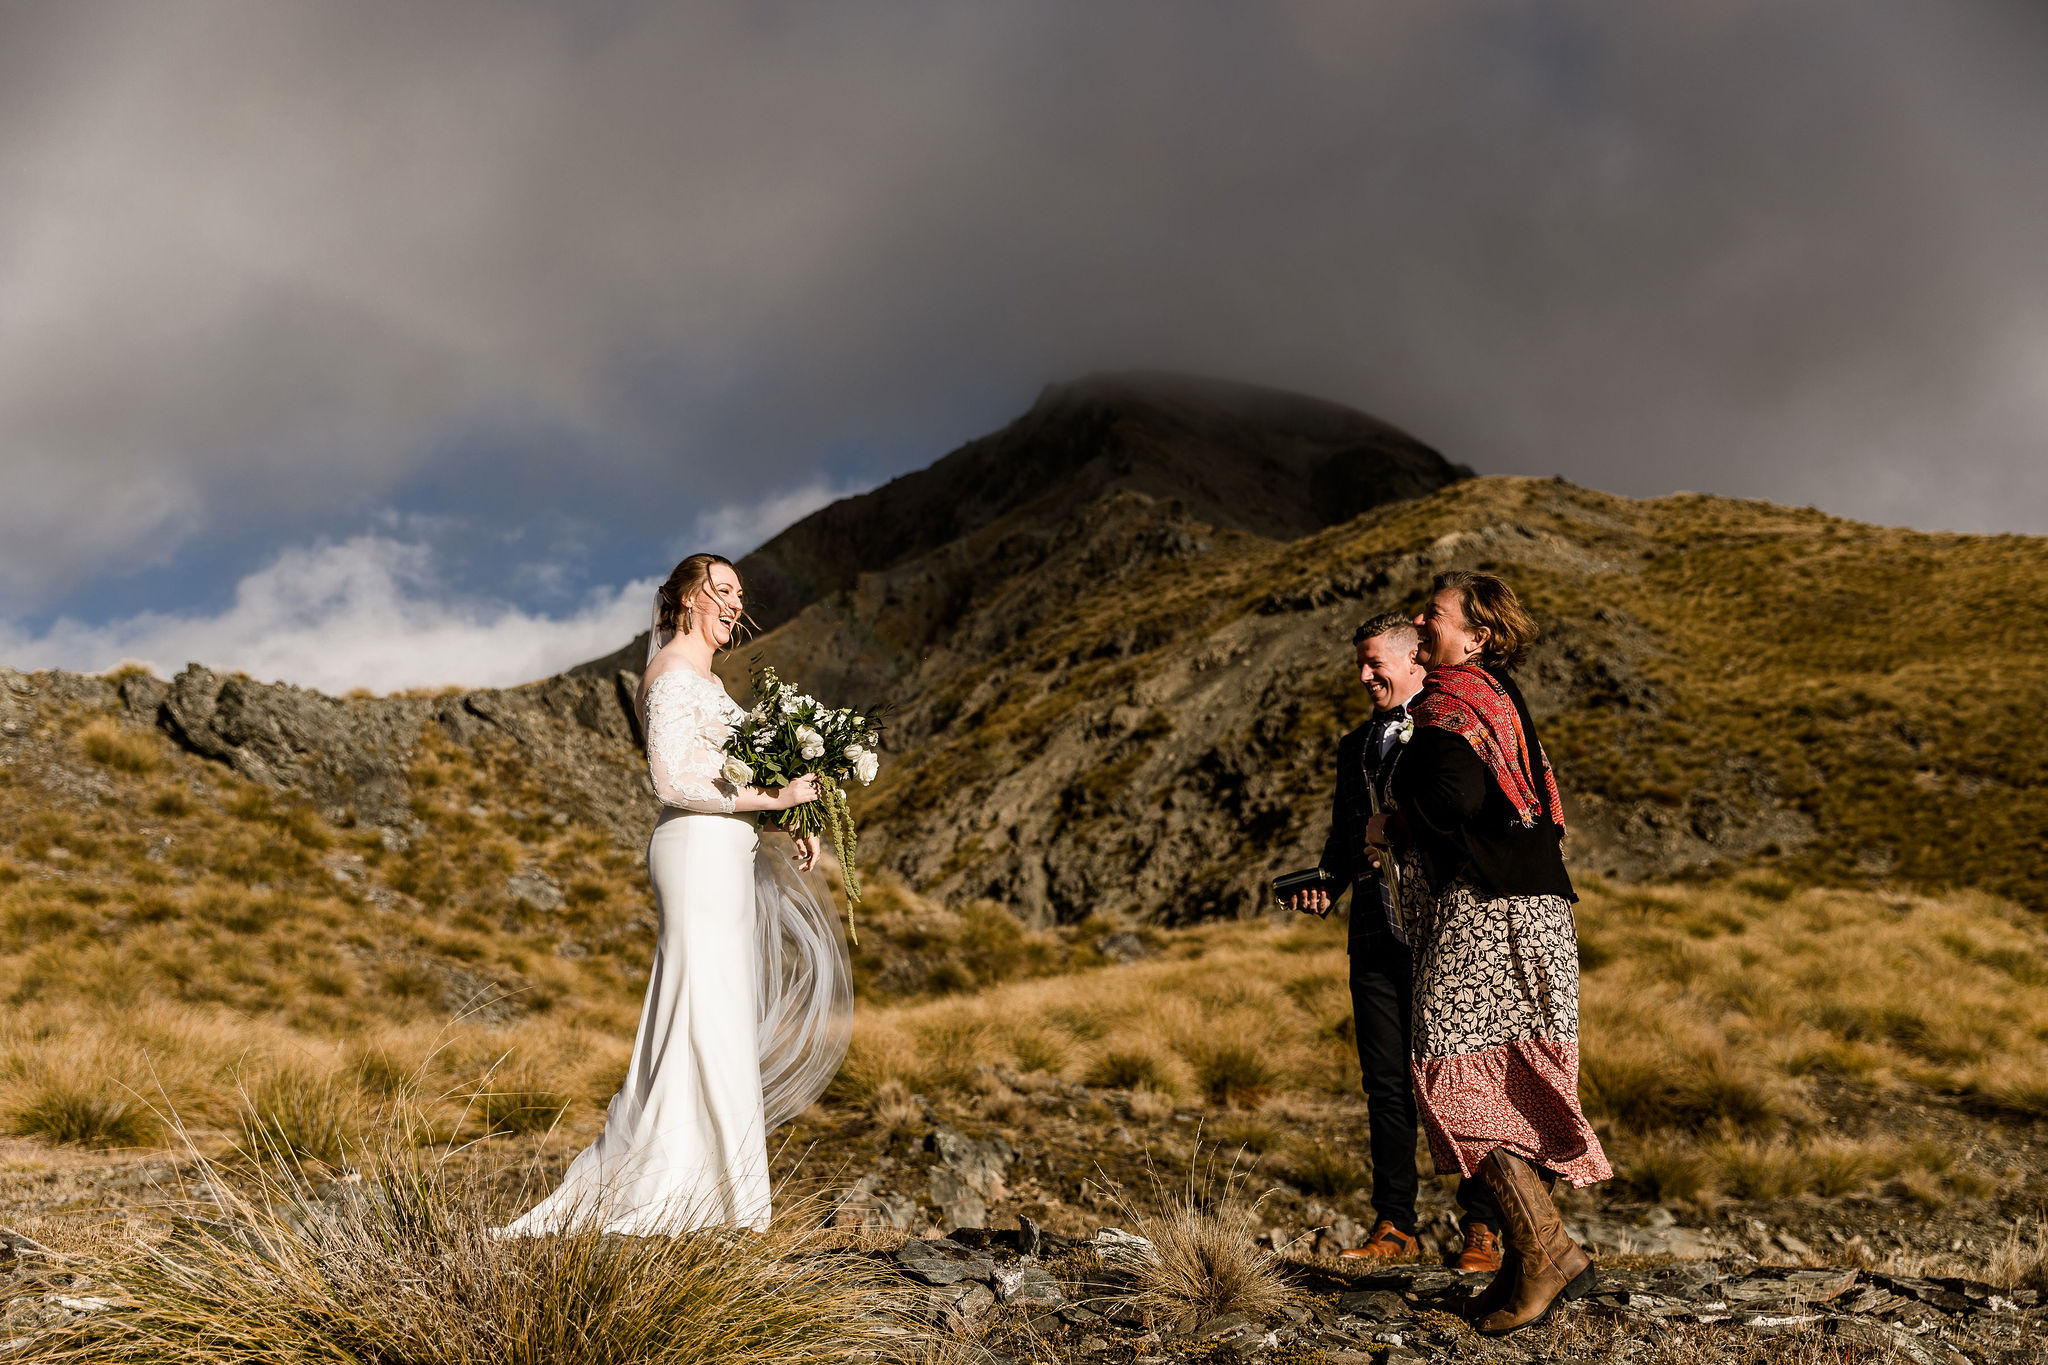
pixel 1502 1286
pixel 1386 1243
pixel 1551 1264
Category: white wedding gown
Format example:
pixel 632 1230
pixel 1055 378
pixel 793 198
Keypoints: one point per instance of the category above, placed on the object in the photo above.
pixel 749 1002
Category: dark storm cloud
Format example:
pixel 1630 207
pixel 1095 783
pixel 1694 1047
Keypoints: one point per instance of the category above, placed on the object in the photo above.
pixel 260 260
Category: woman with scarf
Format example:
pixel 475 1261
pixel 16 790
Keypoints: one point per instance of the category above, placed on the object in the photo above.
pixel 1496 1014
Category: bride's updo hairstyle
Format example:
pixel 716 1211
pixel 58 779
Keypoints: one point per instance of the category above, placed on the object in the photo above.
pixel 1488 601
pixel 675 615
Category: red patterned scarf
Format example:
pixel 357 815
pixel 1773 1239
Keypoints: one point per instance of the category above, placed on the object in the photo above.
pixel 1471 703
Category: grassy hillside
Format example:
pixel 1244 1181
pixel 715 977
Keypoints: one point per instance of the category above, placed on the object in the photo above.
pixel 1131 723
pixel 175 938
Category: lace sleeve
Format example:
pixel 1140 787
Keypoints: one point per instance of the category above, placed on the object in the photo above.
pixel 687 726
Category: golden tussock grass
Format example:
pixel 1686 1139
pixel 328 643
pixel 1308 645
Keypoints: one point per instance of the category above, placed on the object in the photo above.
pixel 398 1263
pixel 198 943
pixel 202 947
pixel 1204 1261
pixel 1715 1011
pixel 1712 1015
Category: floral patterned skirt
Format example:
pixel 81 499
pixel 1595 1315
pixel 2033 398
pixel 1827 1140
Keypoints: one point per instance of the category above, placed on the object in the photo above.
pixel 1495 1047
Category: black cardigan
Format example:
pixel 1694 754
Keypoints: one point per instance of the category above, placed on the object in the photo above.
pixel 1464 823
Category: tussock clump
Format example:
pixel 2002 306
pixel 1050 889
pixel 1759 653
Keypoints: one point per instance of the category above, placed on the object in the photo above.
pixel 1669 1171
pixel 84 1111
pixel 1757 1170
pixel 1204 1261
pixel 130 751
pixel 1836 1167
pixel 401 1266
pixel 1129 1071
pixel 1249 1134
pixel 2022 1095
pixel 894 1110
pixel 2022 1261
pixel 1233 1073
pixel 518 1102
pixel 299 1114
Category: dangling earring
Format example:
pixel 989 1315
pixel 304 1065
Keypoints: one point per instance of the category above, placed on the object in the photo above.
pixel 689 619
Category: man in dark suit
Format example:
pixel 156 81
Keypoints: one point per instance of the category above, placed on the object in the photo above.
pixel 1380 969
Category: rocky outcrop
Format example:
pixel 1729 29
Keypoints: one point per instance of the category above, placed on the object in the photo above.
pixel 353 757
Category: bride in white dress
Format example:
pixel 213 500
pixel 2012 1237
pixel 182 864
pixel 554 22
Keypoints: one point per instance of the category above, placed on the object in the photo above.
pixel 749 1000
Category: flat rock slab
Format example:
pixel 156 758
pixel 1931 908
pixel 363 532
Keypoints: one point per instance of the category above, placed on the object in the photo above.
pixel 1027 1284
pixel 942 1262
pixel 1379 1304
pixel 1608 1237
pixel 1424 1282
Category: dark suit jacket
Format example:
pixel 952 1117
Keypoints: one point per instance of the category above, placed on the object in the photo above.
pixel 1344 851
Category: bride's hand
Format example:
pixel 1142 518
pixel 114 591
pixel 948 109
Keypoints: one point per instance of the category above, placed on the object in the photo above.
pixel 801 792
pixel 806 852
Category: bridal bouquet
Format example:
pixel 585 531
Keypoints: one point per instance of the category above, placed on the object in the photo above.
pixel 788 734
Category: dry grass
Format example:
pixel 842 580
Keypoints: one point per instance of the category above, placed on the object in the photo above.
pixel 1204 1260
pixel 399 1265
pixel 125 750
pixel 893 1109
pixel 2022 1262
pixel 83 1111
pixel 279 978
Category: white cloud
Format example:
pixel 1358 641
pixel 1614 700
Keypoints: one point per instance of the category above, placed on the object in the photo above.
pixel 734 530
pixel 367 612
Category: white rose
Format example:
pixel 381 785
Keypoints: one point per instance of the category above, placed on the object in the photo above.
pixel 866 766
pixel 809 742
pixel 855 752
pixel 736 771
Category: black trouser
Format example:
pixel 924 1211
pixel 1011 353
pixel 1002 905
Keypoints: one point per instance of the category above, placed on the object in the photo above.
pixel 1382 992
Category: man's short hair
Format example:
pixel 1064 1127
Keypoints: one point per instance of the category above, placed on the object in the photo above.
pixel 1391 623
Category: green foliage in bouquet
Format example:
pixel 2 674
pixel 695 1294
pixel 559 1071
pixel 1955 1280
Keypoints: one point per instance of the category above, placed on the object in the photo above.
pixel 788 734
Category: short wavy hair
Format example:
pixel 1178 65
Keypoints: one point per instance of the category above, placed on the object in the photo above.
pixel 1387 623
pixel 1487 601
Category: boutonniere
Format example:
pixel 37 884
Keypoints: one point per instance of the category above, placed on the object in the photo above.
pixel 1407 730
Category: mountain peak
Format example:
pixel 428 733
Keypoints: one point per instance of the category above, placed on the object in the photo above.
pixel 1238 456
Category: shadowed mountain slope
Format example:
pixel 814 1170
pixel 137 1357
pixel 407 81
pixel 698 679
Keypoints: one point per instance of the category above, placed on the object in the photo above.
pixel 1133 713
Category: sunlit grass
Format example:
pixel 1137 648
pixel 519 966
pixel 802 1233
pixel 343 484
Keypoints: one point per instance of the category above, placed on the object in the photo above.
pixel 398 1262
pixel 220 950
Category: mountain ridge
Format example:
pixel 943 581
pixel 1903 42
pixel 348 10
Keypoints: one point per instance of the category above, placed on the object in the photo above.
pixel 1102 703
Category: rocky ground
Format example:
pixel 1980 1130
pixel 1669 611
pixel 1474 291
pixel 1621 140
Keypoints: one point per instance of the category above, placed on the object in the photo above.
pixel 1030 1250
pixel 1072 1301
pixel 1026 1294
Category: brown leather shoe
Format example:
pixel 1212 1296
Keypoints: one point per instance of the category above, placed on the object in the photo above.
pixel 1386 1243
pixel 1482 1250
pixel 1552 1266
